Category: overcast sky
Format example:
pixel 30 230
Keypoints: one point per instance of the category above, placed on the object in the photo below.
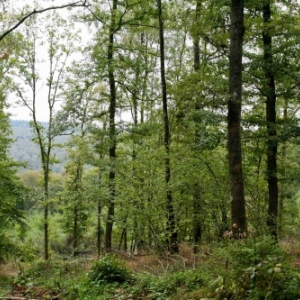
pixel 20 112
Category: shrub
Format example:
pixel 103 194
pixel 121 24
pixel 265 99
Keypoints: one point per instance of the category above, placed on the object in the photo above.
pixel 109 269
pixel 261 269
pixel 167 286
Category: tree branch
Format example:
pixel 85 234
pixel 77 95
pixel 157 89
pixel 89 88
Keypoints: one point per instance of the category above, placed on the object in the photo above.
pixel 38 11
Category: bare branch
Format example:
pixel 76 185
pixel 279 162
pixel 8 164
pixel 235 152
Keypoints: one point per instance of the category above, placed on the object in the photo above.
pixel 38 11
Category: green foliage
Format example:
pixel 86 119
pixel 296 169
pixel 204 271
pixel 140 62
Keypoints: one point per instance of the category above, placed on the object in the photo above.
pixel 109 269
pixel 5 285
pixel 42 273
pixel 256 269
pixel 169 285
pixel 11 189
pixel 7 247
pixel 58 277
pixel 263 269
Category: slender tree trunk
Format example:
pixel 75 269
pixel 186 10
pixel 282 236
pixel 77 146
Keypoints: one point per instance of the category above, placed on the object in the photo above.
pixel 282 188
pixel 123 239
pixel 171 222
pixel 46 170
pixel 272 143
pixel 99 244
pixel 238 211
pixel 76 188
pixel 197 224
pixel 99 208
pixel 46 227
pixel 43 153
pixel 136 234
pixel 112 129
pixel 75 229
pixel 45 156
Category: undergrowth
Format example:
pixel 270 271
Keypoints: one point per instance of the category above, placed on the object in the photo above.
pixel 5 283
pixel 250 269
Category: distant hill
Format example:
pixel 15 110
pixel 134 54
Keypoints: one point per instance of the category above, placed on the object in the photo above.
pixel 24 150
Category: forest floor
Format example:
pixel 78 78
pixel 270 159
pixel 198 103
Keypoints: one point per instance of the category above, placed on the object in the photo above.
pixel 21 284
pixel 209 274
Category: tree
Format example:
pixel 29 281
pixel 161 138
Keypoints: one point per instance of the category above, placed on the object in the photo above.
pixel 44 134
pixel 75 196
pixel 113 23
pixel 11 189
pixel 112 125
pixel 238 210
pixel 272 143
pixel 171 222
pixel 271 89
pixel 76 115
pixel 197 230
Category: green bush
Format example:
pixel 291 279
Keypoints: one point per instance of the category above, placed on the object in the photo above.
pixel 258 269
pixel 167 286
pixel 109 269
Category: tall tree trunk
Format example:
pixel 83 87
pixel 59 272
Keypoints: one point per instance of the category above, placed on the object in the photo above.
pixel 197 226
pixel 45 157
pixel 112 128
pixel 45 168
pixel 196 38
pixel 172 235
pixel 272 143
pixel 42 148
pixel 238 210
pixel 45 161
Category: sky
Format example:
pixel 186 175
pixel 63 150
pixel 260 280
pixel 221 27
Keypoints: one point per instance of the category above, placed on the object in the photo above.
pixel 20 112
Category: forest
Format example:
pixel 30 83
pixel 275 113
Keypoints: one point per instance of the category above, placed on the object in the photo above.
pixel 161 155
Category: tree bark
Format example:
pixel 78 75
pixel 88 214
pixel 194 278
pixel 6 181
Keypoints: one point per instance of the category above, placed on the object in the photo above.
pixel 172 235
pixel 238 210
pixel 272 143
pixel 112 129
pixel 197 224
